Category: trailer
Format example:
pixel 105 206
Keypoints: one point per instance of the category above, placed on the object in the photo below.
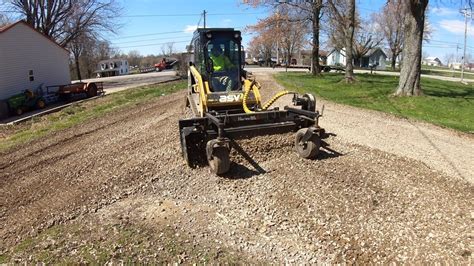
pixel 91 89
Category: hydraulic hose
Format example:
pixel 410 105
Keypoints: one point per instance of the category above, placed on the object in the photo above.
pixel 274 98
pixel 266 105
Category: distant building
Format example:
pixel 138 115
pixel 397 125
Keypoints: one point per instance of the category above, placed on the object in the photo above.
pixel 112 67
pixel 303 57
pixel 375 57
pixel 432 61
pixel 458 65
pixel 336 57
pixel 29 59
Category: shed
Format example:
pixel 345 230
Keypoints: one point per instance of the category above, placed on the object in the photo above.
pixel 29 59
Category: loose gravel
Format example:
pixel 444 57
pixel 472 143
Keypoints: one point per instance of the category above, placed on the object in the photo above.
pixel 116 189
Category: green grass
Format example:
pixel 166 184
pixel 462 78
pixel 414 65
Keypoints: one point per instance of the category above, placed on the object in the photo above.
pixel 457 74
pixel 444 103
pixel 79 113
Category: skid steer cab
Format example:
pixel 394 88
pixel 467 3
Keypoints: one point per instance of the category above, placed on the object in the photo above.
pixel 223 103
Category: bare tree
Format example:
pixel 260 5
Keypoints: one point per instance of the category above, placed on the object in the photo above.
pixel 414 24
pixel 367 37
pixel 77 47
pixel 309 11
pixel 66 20
pixel 4 20
pixel 86 53
pixel 391 23
pixel 134 57
pixel 342 12
pixel 261 47
pixel 263 44
pixel 293 39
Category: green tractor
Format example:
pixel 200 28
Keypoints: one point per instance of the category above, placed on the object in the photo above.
pixel 25 101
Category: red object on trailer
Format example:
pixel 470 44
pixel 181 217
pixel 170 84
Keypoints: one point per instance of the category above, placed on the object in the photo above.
pixel 161 66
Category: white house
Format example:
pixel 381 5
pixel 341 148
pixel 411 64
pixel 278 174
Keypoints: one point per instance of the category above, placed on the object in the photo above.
pixel 29 59
pixel 432 61
pixel 112 67
pixel 336 57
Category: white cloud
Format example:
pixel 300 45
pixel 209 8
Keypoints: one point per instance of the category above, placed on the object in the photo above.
pixel 226 22
pixel 443 11
pixel 455 26
pixel 190 28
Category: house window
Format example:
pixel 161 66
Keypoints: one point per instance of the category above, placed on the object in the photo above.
pixel 31 75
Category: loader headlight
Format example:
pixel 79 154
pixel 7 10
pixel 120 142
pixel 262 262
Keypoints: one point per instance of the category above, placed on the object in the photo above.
pixel 236 35
pixel 209 35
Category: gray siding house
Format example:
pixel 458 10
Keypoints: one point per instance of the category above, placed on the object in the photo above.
pixel 29 59
pixel 375 57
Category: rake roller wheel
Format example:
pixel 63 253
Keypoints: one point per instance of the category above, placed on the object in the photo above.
pixel 220 161
pixel 307 149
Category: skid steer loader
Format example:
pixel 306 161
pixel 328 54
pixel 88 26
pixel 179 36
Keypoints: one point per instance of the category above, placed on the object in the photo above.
pixel 223 103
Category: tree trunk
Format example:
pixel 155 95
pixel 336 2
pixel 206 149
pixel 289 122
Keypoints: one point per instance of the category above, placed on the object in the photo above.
pixel 414 22
pixel 394 61
pixel 349 40
pixel 315 68
pixel 78 69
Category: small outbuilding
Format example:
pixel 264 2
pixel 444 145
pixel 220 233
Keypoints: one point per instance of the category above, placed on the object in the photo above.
pixel 432 61
pixel 30 59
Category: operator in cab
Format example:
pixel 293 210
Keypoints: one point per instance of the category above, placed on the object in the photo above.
pixel 222 78
pixel 219 60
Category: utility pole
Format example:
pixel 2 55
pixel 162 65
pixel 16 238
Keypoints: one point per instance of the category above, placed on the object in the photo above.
pixel 464 12
pixel 204 15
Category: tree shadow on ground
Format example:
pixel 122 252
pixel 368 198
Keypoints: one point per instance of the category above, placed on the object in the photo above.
pixel 440 91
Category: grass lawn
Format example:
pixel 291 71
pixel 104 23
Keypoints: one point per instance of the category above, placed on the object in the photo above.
pixel 78 113
pixel 457 74
pixel 444 103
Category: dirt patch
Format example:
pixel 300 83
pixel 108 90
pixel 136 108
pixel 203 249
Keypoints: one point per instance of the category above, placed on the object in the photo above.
pixel 116 187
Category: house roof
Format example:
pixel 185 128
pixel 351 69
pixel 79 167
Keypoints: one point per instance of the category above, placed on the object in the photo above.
pixel 113 60
pixel 338 50
pixel 309 52
pixel 11 26
pixel 373 50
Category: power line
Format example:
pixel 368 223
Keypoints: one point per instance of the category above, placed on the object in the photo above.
pixel 161 33
pixel 153 44
pixel 190 15
pixel 149 34
pixel 147 40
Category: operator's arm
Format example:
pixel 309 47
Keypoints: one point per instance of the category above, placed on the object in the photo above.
pixel 228 64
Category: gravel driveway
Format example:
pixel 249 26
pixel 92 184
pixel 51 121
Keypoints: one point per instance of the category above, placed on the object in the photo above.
pixel 116 188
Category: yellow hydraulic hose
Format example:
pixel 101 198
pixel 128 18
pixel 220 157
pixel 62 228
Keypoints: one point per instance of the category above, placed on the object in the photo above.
pixel 267 105
pixel 274 98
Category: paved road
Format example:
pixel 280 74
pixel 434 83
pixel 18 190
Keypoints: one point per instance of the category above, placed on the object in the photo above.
pixel 120 83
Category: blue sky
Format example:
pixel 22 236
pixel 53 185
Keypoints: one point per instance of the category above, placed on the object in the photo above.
pixel 147 34
pixel 149 24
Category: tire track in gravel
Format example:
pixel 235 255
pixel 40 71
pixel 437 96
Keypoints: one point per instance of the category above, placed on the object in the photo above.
pixel 359 205
pixel 65 173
